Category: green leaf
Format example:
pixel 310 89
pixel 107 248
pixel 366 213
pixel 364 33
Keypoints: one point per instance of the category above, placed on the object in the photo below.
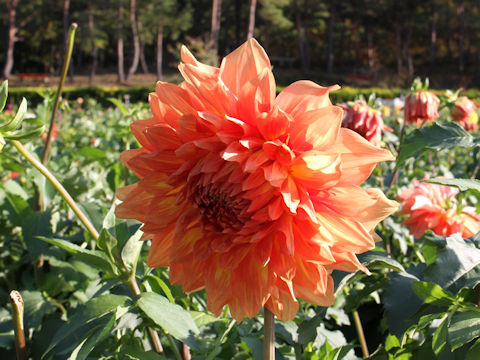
pixel 94 336
pixel 108 243
pixel 15 123
pixel 440 336
pixel 461 184
pixel 377 259
pixel 36 224
pixel 201 318
pixel 85 314
pixel 161 284
pixel 437 137
pixel 463 328
pixel 432 293
pixel 391 342
pixel 170 317
pixel 120 105
pixel 453 261
pixel 25 134
pixel 92 153
pixel 474 351
pixel 131 250
pixel 3 94
pixel 93 257
pixel 35 308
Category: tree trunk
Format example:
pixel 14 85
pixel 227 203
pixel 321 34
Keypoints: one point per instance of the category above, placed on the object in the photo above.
pixel 216 16
pixel 331 24
pixel 301 46
pixel 461 35
pixel 408 52
pixel 12 38
pixel 143 62
pixel 136 42
pixel 371 61
pixel 121 69
pixel 433 36
pixel 93 44
pixel 160 52
pixel 251 19
pixel 398 49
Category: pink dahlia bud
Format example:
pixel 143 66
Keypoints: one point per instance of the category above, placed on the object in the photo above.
pixel 464 113
pixel 421 106
pixel 364 120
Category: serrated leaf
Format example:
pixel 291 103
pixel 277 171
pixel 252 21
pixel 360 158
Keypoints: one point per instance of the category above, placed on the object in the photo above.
pixel 108 243
pixel 461 184
pixel 464 327
pixel 93 257
pixel 432 293
pixel 15 123
pixel 437 137
pixel 170 317
pixel 3 94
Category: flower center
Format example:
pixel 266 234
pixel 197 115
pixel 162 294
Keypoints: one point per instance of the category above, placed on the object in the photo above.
pixel 220 211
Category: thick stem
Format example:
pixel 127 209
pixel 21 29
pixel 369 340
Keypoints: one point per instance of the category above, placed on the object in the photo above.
pixel 17 317
pixel 268 335
pixel 66 63
pixel 64 193
pixel 361 335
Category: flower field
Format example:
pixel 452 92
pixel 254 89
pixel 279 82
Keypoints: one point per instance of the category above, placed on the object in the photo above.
pixel 224 205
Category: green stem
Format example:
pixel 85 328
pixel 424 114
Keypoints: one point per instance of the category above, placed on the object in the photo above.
pixel 268 335
pixel 361 335
pixel 17 317
pixel 66 63
pixel 64 193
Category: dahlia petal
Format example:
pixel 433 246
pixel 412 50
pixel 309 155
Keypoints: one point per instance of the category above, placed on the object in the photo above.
pixel 317 170
pixel 283 306
pixel 316 129
pixel 275 174
pixel 290 194
pixel 243 65
pixel 256 96
pixel 303 96
pixel 234 152
pixel 138 127
pixel 183 247
pixel 170 102
pixel 193 282
pixel 273 124
pixel 158 255
pixel 359 157
pixel 161 137
pixel 276 208
pixel 254 161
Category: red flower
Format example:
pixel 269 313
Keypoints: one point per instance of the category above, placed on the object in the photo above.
pixel 464 113
pixel 421 106
pixel 434 207
pixel 364 120
pixel 253 197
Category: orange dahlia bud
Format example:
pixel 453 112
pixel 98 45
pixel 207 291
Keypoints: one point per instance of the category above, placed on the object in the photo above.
pixel 364 120
pixel 465 113
pixel 253 197
pixel 434 207
pixel 421 106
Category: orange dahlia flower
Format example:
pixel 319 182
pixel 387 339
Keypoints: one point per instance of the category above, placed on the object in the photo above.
pixel 253 197
pixel 421 106
pixel 434 207
pixel 464 113
pixel 364 120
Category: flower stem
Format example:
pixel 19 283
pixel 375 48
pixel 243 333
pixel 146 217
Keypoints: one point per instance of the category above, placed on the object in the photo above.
pixel 59 187
pixel 361 335
pixel 66 63
pixel 268 335
pixel 17 316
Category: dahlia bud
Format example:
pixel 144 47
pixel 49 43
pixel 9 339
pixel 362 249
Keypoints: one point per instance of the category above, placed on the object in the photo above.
pixel 464 113
pixel 421 106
